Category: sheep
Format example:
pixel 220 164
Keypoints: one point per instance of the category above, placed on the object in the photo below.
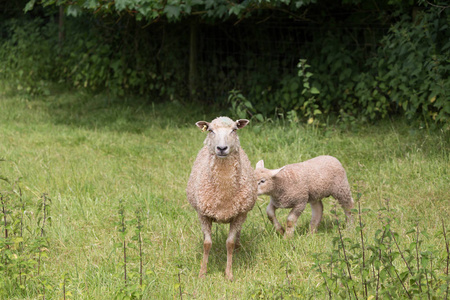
pixel 222 187
pixel 294 185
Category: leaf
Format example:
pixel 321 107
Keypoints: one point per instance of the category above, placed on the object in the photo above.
pixel 314 90
pixel 413 230
pixel 248 104
pixel 259 117
pixel 73 10
pixel 172 12
pixel 29 6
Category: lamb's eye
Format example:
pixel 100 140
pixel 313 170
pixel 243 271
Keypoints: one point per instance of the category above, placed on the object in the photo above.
pixel 210 131
pixel 261 181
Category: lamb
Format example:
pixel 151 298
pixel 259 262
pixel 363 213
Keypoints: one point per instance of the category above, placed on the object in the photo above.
pixel 222 187
pixel 294 185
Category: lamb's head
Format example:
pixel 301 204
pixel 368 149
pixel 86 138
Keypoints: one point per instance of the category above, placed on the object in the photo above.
pixel 222 139
pixel 266 178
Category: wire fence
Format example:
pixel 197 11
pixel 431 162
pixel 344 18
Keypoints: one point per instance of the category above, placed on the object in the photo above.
pixel 228 55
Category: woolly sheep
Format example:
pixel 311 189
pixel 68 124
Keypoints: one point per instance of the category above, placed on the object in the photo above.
pixel 222 187
pixel 294 185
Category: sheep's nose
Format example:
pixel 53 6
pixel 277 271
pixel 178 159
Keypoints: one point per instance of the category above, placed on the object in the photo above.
pixel 222 148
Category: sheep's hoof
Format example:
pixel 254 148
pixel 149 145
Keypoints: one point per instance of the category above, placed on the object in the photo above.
pixel 288 235
pixel 202 274
pixel 229 276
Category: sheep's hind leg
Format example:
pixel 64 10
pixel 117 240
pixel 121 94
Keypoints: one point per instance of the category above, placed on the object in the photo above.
pixel 292 219
pixel 233 235
pixel 206 224
pixel 317 211
pixel 270 210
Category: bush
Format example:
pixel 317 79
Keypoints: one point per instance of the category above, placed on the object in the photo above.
pixel 413 66
pixel 403 72
pixel 28 54
pixel 408 74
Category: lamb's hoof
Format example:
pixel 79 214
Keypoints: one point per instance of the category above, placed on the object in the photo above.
pixel 288 235
pixel 281 231
pixel 312 231
pixel 202 274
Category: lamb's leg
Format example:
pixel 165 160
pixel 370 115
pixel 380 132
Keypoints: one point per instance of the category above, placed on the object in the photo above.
pixel 317 211
pixel 206 224
pixel 235 231
pixel 270 210
pixel 292 219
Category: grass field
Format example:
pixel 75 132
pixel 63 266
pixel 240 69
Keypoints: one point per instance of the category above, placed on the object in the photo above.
pixel 100 160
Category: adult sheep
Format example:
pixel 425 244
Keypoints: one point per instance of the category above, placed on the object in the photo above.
pixel 221 187
pixel 295 185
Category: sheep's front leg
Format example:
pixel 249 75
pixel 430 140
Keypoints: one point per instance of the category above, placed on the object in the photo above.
pixel 270 210
pixel 292 219
pixel 233 235
pixel 206 224
pixel 317 211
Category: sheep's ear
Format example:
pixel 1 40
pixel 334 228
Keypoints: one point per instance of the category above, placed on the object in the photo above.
pixel 275 172
pixel 241 123
pixel 260 164
pixel 203 125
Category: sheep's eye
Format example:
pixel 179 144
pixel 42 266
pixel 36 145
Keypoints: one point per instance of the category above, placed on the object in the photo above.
pixel 210 131
pixel 261 181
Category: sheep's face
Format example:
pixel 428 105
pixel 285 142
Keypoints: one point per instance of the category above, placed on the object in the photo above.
pixel 265 178
pixel 222 139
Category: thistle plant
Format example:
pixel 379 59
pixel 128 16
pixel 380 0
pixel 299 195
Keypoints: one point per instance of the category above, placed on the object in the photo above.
pixel 131 290
pixel 387 267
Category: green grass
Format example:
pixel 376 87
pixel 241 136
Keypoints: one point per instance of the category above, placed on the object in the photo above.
pixel 88 152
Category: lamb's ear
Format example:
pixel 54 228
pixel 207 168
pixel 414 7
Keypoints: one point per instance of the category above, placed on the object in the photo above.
pixel 260 164
pixel 241 123
pixel 203 125
pixel 275 172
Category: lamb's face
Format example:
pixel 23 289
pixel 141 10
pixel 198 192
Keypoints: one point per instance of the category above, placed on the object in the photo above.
pixel 265 178
pixel 222 139
pixel 265 181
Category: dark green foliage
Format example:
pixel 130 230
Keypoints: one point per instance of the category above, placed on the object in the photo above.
pixel 173 10
pixel 413 66
pixel 121 59
pixel 27 54
pixel 301 60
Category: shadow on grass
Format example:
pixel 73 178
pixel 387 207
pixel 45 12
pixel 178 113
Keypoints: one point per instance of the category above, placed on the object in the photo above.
pixel 243 258
pixel 127 114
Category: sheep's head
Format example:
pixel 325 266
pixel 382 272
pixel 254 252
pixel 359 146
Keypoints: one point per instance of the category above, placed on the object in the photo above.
pixel 222 139
pixel 266 178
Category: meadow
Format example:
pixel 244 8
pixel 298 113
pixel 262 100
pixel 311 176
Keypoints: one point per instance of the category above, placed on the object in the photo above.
pixel 113 174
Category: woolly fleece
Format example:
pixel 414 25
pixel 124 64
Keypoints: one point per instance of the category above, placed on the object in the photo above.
pixel 295 185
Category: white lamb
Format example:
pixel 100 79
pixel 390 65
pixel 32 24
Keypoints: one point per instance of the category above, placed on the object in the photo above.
pixel 222 187
pixel 292 186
